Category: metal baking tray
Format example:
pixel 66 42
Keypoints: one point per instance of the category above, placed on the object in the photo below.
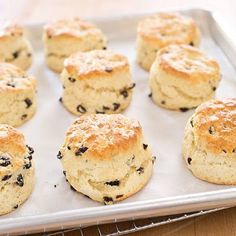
pixel 172 188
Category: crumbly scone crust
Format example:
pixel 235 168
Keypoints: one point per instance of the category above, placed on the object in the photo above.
pixel 105 157
pixel 16 169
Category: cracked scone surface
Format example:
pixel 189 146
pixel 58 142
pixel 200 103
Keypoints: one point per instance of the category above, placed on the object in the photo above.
pixel 15 48
pixel 160 30
pixel 105 157
pixel 98 81
pixel 182 77
pixel 209 146
pixel 16 169
pixel 65 37
pixel 17 95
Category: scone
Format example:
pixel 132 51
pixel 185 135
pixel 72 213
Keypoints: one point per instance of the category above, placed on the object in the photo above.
pixel 209 146
pixel 182 77
pixel 15 48
pixel 17 95
pixel 64 37
pixel 98 81
pixel 105 157
pixel 163 29
pixel 16 169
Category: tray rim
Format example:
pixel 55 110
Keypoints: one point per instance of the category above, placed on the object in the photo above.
pixel 158 207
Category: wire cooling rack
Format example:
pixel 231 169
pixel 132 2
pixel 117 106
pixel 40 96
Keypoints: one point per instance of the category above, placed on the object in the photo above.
pixel 132 226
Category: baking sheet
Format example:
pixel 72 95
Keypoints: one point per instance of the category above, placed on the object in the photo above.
pixel 172 187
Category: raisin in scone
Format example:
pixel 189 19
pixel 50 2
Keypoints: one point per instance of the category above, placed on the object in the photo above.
pixel 105 157
pixel 17 95
pixel 16 169
pixel 15 48
pixel 209 146
pixel 98 81
pixel 64 37
pixel 160 30
pixel 182 77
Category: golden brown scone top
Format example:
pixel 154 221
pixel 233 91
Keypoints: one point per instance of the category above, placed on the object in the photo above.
pixel 12 148
pixel 13 78
pixel 214 125
pixel 9 70
pixel 187 62
pixel 166 28
pixel 103 135
pixel 9 28
pixel 71 27
pixel 96 62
